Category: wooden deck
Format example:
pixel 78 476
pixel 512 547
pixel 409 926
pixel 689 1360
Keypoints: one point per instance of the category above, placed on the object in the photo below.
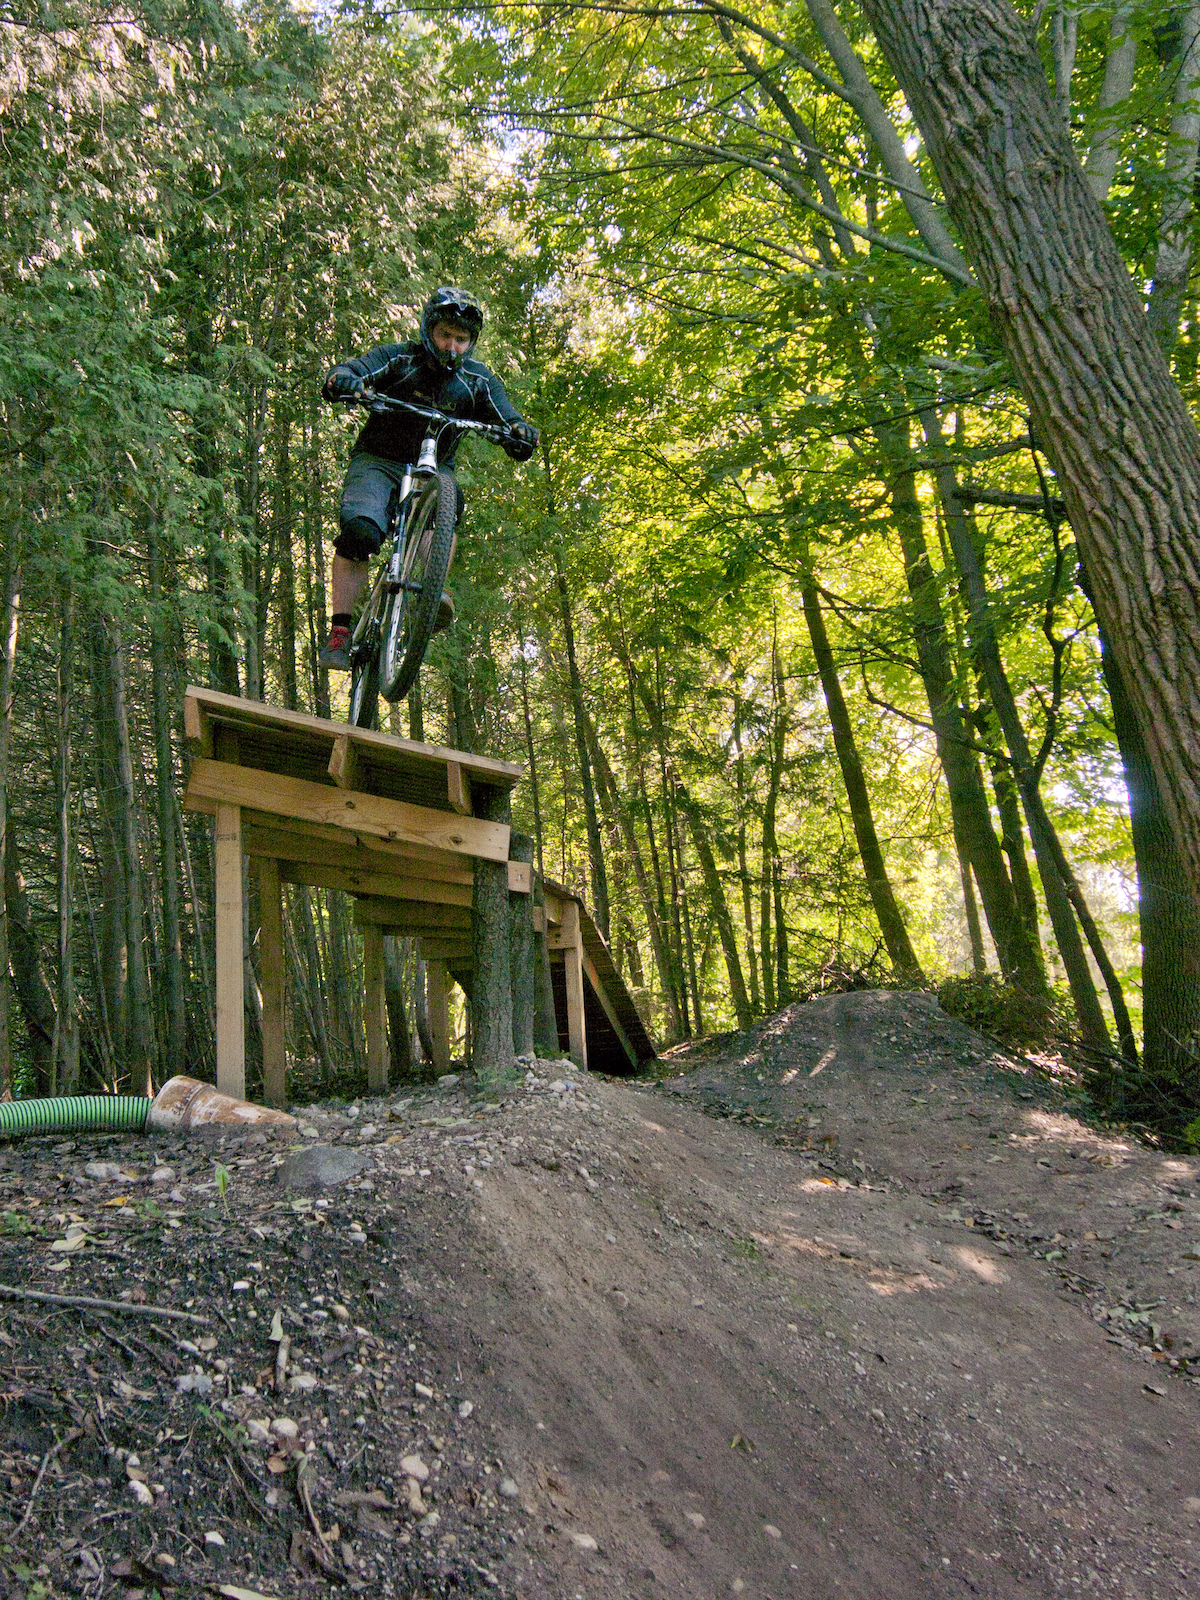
pixel 392 823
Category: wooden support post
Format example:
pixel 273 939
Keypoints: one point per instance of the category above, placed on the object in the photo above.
pixel 458 789
pixel 521 952
pixel 491 1000
pixel 572 940
pixel 231 988
pixel 545 1023
pixel 437 1012
pixel 270 956
pixel 375 1013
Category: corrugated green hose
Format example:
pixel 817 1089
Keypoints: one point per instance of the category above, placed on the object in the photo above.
pixel 76 1112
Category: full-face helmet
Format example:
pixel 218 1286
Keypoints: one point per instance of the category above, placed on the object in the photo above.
pixel 448 304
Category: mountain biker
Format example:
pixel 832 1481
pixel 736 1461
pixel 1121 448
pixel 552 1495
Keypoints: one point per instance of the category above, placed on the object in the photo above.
pixel 436 369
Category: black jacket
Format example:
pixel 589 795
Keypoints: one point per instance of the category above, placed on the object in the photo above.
pixel 405 372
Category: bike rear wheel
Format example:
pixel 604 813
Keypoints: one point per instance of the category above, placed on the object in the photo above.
pixel 364 664
pixel 410 616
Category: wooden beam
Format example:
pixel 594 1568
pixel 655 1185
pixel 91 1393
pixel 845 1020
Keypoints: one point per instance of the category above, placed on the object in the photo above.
pixel 521 952
pixel 441 947
pixel 231 988
pixel 606 1006
pixel 378 885
pixel 539 919
pixel 437 1012
pixel 334 847
pixel 573 962
pixel 416 915
pixel 197 728
pixel 375 1010
pixel 520 877
pixel 343 763
pixel 271 964
pixel 458 789
pixel 356 812
pixel 383 748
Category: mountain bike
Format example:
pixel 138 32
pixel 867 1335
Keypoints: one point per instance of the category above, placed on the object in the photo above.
pixel 392 634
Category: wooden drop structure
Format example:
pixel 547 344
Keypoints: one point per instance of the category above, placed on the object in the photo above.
pixel 421 838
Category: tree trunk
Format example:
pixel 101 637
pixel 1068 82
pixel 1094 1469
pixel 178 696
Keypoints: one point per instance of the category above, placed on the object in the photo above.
pixel 164 775
pixel 1115 426
pixel 29 978
pixel 578 713
pixel 491 991
pixel 1173 260
pixel 891 923
pixel 8 658
pixel 970 817
pixel 399 1042
pixel 66 1038
pixel 521 954
pixel 720 911
pixel 743 864
pixel 1041 833
pixel 1101 162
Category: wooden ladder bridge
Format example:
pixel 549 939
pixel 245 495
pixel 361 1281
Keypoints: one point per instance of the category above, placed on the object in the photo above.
pixel 420 837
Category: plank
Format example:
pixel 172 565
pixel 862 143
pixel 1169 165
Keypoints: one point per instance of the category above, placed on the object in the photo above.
pixel 520 877
pixel 343 763
pixel 271 964
pixel 437 1011
pixel 375 1010
pixel 411 915
pixel 222 781
pixel 458 788
pixel 230 980
pixel 288 840
pixel 384 749
pixel 379 886
pixel 197 728
pixel 573 961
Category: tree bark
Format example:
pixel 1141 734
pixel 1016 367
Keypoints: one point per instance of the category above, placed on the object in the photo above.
pixel 66 1034
pixel 28 974
pixel 1103 403
pixel 164 778
pixel 578 714
pixel 1101 163
pixel 491 991
pixel 1173 260
pixel 521 953
pixel 9 619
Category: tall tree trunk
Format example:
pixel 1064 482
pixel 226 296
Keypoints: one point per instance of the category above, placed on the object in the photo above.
pixel 578 713
pixel 975 837
pixel 66 1037
pixel 8 658
pixel 314 570
pixel 891 922
pixel 175 1042
pixel 685 912
pixel 282 540
pixel 720 910
pixel 743 865
pixel 1101 162
pixel 530 751
pixel 399 1041
pixel 1041 832
pixel 28 974
pixel 1115 426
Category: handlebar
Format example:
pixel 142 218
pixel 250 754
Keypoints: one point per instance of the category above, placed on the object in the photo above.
pixel 380 403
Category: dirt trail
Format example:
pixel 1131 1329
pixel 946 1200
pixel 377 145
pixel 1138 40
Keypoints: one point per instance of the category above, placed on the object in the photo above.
pixel 849 1306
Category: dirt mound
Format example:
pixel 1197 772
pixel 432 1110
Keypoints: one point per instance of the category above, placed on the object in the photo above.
pixel 849 1306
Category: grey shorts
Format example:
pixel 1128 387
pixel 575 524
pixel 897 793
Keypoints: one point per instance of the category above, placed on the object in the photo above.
pixel 367 492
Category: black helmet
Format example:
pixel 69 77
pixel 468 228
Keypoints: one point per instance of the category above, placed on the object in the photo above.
pixel 448 304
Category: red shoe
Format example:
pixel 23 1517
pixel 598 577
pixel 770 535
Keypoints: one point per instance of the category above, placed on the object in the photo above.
pixel 334 652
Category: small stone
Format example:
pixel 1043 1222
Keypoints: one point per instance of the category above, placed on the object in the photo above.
pixel 737 1586
pixel 284 1428
pixel 696 1519
pixel 430 1519
pixel 448 1080
pixel 465 1408
pixel 140 1492
pixel 509 1488
pixel 162 1559
pixel 303 1380
pixel 259 1430
pixel 310 1133
pixel 771 1531
pixel 214 1539
pixel 414 1467
pixel 163 1175
pixel 423 1390
pixel 103 1171
pixel 583 1541
pixel 322 1166
pixel 340 1313
pixel 368 1132
pixel 241 1286
pixel 193 1383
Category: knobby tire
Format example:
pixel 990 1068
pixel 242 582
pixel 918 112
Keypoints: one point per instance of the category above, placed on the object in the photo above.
pixel 409 619
pixel 364 673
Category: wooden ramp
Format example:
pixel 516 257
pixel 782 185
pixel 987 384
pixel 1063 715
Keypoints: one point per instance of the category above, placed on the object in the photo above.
pixel 420 837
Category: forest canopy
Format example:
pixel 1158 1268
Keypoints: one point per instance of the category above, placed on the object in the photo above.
pixel 786 621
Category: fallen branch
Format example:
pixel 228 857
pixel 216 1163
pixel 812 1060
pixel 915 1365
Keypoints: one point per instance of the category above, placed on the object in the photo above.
pixel 68 1438
pixel 123 1306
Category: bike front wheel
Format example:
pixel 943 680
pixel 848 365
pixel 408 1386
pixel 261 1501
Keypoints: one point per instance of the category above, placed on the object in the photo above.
pixel 410 615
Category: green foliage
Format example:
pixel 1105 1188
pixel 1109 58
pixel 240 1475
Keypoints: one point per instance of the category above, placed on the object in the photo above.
pixel 1017 1020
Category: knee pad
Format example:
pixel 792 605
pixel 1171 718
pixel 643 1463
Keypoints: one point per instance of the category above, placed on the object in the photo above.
pixel 359 539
